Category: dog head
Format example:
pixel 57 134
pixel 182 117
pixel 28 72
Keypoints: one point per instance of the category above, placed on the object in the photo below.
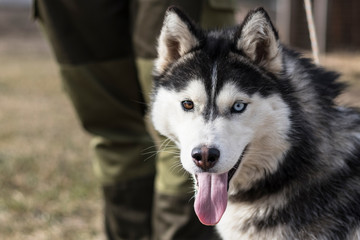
pixel 218 96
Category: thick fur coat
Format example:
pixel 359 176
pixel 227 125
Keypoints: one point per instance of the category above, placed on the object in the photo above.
pixel 272 155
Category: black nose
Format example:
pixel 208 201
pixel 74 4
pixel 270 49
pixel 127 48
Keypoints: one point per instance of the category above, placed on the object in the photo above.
pixel 204 157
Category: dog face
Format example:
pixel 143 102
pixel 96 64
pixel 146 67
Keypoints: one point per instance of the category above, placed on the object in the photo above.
pixel 218 97
pixel 229 122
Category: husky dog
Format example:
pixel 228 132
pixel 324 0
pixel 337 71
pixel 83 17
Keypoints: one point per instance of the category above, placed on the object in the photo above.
pixel 272 156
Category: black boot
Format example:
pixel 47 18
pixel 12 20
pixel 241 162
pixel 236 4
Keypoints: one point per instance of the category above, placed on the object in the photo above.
pixel 128 209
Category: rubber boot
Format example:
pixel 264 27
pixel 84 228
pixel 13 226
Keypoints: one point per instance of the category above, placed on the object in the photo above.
pixel 128 208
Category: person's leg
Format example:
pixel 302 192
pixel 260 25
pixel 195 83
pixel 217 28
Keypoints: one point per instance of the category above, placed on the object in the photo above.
pixel 92 43
pixel 173 215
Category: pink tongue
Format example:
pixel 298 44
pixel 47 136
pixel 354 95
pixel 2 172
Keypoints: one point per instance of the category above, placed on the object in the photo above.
pixel 211 199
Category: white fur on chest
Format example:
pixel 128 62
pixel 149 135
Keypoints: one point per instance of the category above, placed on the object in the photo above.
pixel 236 223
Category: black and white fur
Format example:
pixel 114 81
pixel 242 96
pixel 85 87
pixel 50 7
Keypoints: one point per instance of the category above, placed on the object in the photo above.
pixel 294 154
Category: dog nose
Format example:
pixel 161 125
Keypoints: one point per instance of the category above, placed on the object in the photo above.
pixel 204 157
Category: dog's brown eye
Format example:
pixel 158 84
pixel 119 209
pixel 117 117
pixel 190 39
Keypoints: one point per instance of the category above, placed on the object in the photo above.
pixel 187 105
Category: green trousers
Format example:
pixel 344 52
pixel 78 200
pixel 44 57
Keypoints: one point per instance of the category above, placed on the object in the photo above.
pixel 105 51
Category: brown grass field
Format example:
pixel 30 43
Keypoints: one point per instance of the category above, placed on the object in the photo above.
pixel 47 187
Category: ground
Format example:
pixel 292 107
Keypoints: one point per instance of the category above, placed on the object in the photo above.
pixel 47 187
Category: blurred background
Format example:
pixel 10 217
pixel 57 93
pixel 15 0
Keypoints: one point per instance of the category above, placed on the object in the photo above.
pixel 337 22
pixel 47 187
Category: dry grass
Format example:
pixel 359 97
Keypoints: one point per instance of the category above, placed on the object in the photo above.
pixel 47 188
pixel 349 67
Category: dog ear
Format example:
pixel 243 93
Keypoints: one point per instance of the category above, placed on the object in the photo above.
pixel 178 36
pixel 258 39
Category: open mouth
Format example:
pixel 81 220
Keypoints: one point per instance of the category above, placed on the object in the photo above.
pixel 236 166
pixel 212 194
pixel 232 171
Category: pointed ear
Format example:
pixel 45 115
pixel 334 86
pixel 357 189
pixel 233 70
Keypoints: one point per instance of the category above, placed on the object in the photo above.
pixel 178 36
pixel 259 40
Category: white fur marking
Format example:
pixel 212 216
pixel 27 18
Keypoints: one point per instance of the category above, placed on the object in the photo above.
pixel 258 29
pixel 175 40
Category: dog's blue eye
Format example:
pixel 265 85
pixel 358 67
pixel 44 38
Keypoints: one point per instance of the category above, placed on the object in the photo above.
pixel 187 105
pixel 238 107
